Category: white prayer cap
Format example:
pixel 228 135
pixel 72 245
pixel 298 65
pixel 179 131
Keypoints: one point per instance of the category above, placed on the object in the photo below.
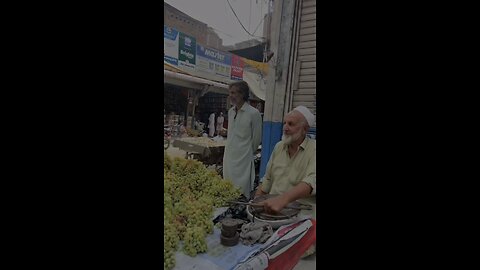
pixel 307 114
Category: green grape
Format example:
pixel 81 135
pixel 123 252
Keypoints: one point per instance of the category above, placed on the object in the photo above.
pixel 194 241
pixel 169 259
pixel 191 192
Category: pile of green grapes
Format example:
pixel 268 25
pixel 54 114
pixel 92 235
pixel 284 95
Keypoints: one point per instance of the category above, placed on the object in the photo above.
pixel 191 192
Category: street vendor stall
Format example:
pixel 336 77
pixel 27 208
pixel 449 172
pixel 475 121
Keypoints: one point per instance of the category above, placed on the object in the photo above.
pixel 281 251
pixel 209 224
pixel 206 150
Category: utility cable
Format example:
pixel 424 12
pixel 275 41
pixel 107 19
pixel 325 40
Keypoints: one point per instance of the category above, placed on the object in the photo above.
pixel 234 13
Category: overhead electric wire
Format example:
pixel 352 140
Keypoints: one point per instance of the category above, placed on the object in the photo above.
pixel 250 16
pixel 259 25
pixel 261 13
pixel 234 13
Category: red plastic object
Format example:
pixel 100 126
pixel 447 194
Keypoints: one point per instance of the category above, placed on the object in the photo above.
pixel 290 258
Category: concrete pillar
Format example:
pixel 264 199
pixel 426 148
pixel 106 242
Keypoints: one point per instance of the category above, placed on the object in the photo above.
pixel 277 81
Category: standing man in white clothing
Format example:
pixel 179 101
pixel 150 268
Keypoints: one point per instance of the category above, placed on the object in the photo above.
pixel 220 123
pixel 211 125
pixel 243 138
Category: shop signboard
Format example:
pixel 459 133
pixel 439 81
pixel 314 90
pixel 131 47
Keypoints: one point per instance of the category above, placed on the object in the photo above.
pixel 213 62
pixel 170 45
pixel 186 51
pixel 237 67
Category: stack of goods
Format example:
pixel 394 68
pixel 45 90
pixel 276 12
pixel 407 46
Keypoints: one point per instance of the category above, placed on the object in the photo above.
pixel 193 132
pixel 191 192
pixel 173 119
pixel 230 236
pixel 206 142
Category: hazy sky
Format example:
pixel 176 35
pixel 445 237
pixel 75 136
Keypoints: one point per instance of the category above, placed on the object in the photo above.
pixel 218 15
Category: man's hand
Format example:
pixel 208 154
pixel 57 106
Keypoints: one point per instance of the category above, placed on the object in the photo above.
pixel 275 205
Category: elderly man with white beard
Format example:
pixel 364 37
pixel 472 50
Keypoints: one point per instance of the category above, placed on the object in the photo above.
pixel 291 170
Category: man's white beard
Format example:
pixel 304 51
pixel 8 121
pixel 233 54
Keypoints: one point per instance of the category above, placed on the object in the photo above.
pixel 289 139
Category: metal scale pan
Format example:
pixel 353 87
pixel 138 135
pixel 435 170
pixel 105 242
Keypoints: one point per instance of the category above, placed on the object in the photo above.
pixel 286 215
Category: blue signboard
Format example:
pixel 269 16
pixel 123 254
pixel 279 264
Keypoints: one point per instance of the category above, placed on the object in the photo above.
pixel 213 62
pixel 214 55
pixel 170 45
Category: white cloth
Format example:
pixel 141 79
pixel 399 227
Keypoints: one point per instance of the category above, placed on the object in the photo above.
pixel 220 120
pixel 255 232
pixel 243 138
pixel 211 125
pixel 218 138
pixel 307 114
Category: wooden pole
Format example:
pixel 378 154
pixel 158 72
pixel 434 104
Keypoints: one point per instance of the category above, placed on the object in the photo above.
pixel 195 102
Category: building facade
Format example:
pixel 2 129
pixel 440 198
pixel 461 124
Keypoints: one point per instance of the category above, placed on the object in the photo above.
pixel 291 79
pixel 203 34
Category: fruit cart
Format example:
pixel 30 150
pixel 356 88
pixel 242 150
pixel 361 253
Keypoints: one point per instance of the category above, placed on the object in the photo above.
pixel 206 150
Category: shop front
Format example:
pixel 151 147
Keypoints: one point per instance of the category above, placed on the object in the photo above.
pixel 183 93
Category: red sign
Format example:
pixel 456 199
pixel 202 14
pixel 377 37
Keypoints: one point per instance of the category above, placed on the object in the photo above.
pixel 237 67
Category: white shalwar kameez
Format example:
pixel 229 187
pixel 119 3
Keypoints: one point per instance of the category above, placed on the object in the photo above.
pixel 211 125
pixel 244 135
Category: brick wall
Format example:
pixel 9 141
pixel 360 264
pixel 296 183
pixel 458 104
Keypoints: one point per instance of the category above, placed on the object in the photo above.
pixel 186 25
pixel 183 23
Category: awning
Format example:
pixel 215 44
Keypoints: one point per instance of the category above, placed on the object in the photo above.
pixel 170 67
pixel 257 83
pixel 179 77
pixel 254 53
pixel 252 75
pixel 189 78
pixel 262 67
